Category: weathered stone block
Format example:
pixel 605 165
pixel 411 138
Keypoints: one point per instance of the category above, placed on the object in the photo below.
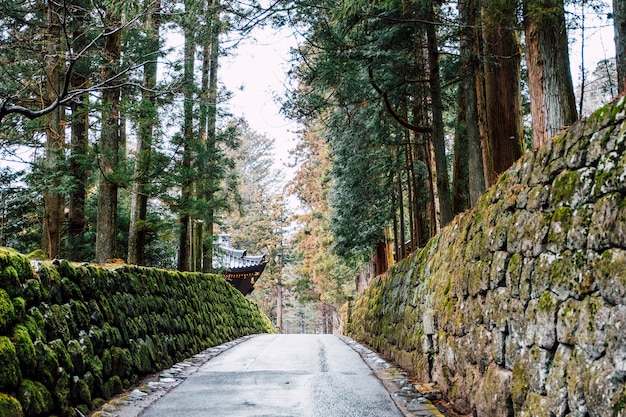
pixel 611 174
pixel 590 335
pixel 556 383
pixel 602 220
pixel 579 228
pixel 493 397
pixel 541 321
pixel 568 318
pixel 572 188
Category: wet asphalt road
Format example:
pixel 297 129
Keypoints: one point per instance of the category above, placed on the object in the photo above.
pixel 277 376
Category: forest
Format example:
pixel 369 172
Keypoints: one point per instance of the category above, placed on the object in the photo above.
pixel 117 144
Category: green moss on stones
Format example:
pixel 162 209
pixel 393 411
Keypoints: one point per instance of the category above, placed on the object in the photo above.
pixel 35 398
pixel 32 291
pixel 10 374
pixel 80 392
pixel 112 387
pixel 47 364
pixel 25 349
pixel 10 406
pixel 35 324
pixel 7 310
pixel 62 395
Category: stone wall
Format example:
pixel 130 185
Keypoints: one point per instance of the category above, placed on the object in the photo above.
pixel 73 336
pixel 518 308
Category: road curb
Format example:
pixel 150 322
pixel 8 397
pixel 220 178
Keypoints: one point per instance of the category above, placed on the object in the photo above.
pixel 408 399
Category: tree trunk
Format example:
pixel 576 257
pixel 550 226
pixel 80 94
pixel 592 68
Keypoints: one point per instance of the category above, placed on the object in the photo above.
pixel 619 22
pixel 109 146
pixel 55 139
pixel 552 101
pixel 210 186
pixel 148 118
pixel 460 166
pixel 443 182
pixel 184 252
pixel 503 98
pixel 469 103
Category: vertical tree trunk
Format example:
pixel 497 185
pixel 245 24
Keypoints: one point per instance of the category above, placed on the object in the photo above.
pixel 552 101
pixel 460 166
pixel 109 146
pixel 469 103
pixel 55 140
pixel 619 22
pixel 148 118
pixel 184 252
pixel 443 182
pixel 80 162
pixel 503 98
pixel 210 186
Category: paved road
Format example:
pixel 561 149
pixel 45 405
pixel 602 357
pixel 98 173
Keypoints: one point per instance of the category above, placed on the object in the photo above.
pixel 280 375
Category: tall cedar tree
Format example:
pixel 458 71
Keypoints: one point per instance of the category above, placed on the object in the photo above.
pixel 109 145
pixel 469 93
pixel 138 229
pixel 619 21
pixel 552 102
pixel 55 134
pixel 503 98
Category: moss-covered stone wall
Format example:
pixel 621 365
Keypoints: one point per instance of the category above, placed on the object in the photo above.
pixel 519 306
pixel 73 336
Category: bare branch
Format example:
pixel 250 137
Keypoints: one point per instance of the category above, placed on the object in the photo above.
pixel 390 109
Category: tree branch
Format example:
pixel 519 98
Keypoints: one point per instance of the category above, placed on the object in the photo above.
pixel 383 94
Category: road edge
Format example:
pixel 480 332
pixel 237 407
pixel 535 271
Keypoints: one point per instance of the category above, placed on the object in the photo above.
pixel 407 398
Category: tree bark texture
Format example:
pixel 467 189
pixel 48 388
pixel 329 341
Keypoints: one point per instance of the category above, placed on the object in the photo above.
pixel 210 184
pixel 552 101
pixel 55 139
pixel 80 162
pixel 619 22
pixel 502 74
pixel 443 182
pixel 109 146
pixel 184 250
pixel 138 231
pixel 469 104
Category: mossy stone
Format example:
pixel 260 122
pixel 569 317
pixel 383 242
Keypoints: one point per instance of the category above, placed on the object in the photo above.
pixel 32 291
pixel 47 364
pixel 56 323
pixel 50 285
pixel 81 315
pixel 10 406
pixel 80 392
pixel 75 352
pixel 10 374
pixel 25 349
pixel 10 280
pixel 34 323
pixel 62 395
pixel 121 361
pixel 35 398
pixel 19 306
pixel 69 290
pixel 112 387
pixel 7 311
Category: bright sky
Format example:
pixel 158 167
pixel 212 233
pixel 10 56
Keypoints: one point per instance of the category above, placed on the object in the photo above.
pixel 256 74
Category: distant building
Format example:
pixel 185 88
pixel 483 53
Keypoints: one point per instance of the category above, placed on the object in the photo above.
pixel 241 270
